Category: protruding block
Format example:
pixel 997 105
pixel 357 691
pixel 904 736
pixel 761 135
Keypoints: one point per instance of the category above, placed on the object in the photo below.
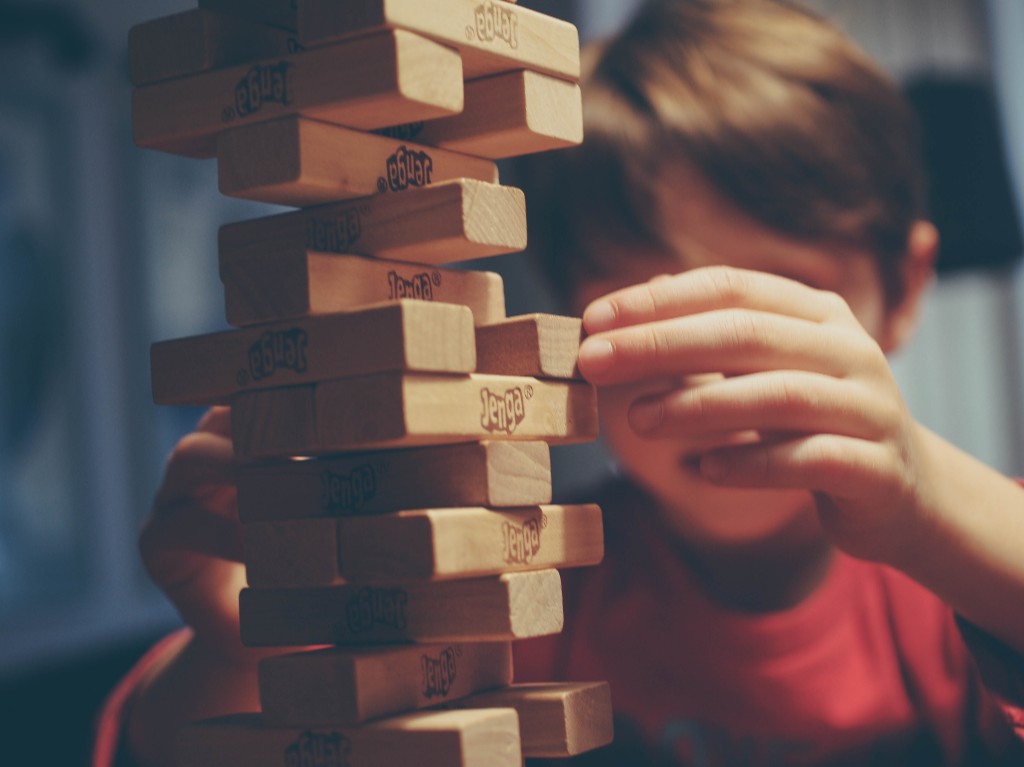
pixel 389 78
pixel 453 221
pixel 402 335
pixel 495 474
pixel 197 41
pixel 435 544
pixel 279 13
pixel 541 345
pixel 396 410
pixel 338 686
pixel 480 738
pixel 506 115
pixel 491 36
pixel 555 719
pixel 301 162
pixel 267 286
pixel 509 607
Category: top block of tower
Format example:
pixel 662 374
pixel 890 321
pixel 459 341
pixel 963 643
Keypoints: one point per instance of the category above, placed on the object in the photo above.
pixel 492 36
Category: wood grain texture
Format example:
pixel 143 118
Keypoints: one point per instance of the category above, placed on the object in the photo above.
pixel 301 162
pixel 340 686
pixel 399 335
pixel 279 13
pixel 453 221
pixel 555 719
pixel 270 286
pixel 494 474
pixel 433 544
pixel 490 36
pixel 507 115
pixel 196 41
pixel 540 345
pixel 394 410
pixel 508 607
pixel 481 738
pixel 391 77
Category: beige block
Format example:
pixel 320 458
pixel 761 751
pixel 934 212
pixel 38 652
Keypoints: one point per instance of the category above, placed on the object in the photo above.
pixel 541 345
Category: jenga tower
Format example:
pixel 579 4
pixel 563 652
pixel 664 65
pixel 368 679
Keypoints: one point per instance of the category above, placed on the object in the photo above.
pixel 393 422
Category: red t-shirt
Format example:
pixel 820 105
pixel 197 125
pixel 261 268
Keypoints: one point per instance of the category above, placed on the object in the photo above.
pixel 869 670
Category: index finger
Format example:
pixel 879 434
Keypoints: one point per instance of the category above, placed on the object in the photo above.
pixel 706 289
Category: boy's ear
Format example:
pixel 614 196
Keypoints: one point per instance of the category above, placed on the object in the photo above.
pixel 918 271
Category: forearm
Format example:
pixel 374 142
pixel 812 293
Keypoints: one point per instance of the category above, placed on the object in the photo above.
pixel 969 547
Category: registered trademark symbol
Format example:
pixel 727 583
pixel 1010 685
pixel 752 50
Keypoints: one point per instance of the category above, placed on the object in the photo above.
pixel 543 521
pixel 436 279
pixel 228 114
pixel 470 33
pixel 242 379
pixel 382 185
pixel 529 392
pixel 364 210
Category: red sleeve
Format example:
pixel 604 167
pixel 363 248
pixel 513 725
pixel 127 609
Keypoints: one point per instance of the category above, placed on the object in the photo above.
pixel 108 749
pixel 1001 670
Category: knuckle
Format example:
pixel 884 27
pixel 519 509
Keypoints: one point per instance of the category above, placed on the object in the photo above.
pixel 727 284
pixel 745 333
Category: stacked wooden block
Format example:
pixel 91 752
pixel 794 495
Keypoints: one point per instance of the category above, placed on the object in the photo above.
pixel 394 423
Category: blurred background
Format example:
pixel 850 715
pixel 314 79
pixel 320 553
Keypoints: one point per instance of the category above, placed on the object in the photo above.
pixel 105 248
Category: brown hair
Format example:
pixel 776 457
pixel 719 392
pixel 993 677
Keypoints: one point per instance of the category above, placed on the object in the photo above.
pixel 777 109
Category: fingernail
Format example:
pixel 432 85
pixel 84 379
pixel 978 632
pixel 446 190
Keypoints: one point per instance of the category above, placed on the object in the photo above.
pixel 596 355
pixel 714 467
pixel 646 416
pixel 599 316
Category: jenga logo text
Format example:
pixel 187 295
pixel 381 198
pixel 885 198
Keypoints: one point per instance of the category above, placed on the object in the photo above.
pixel 520 543
pixel 406 132
pixel 318 749
pixel 502 412
pixel 347 493
pixel 262 84
pixel 494 21
pixel 336 234
pixel 376 607
pixel 439 673
pixel 419 286
pixel 276 350
pixel 405 168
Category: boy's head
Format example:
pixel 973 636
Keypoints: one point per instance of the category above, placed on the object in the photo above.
pixel 780 113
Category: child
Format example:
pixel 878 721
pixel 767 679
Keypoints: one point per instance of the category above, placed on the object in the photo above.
pixel 786 546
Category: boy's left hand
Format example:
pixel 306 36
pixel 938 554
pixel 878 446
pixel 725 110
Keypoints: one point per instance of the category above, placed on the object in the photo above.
pixel 797 368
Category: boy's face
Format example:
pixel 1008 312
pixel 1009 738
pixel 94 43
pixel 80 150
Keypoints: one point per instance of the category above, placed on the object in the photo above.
pixel 704 230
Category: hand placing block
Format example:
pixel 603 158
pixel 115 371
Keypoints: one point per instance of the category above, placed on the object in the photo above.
pixel 301 162
pixel 272 286
pixel 506 115
pixel 405 410
pixel 495 474
pixel 387 78
pixel 453 221
pixel 435 544
pixel 196 41
pixel 541 345
pixel 555 719
pixel 480 738
pixel 491 36
pixel 403 335
pixel 337 686
pixel 509 607
pixel 279 13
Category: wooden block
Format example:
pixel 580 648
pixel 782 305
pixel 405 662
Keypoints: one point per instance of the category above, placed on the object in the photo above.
pixel 541 345
pixel 506 115
pixel 197 41
pixel 401 335
pixel 480 738
pixel 454 221
pixel 491 37
pixel 435 544
pixel 278 13
pixel 555 719
pixel 511 606
pixel 269 286
pixel 495 474
pixel 338 686
pixel 396 410
pixel 389 78
pixel 301 162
